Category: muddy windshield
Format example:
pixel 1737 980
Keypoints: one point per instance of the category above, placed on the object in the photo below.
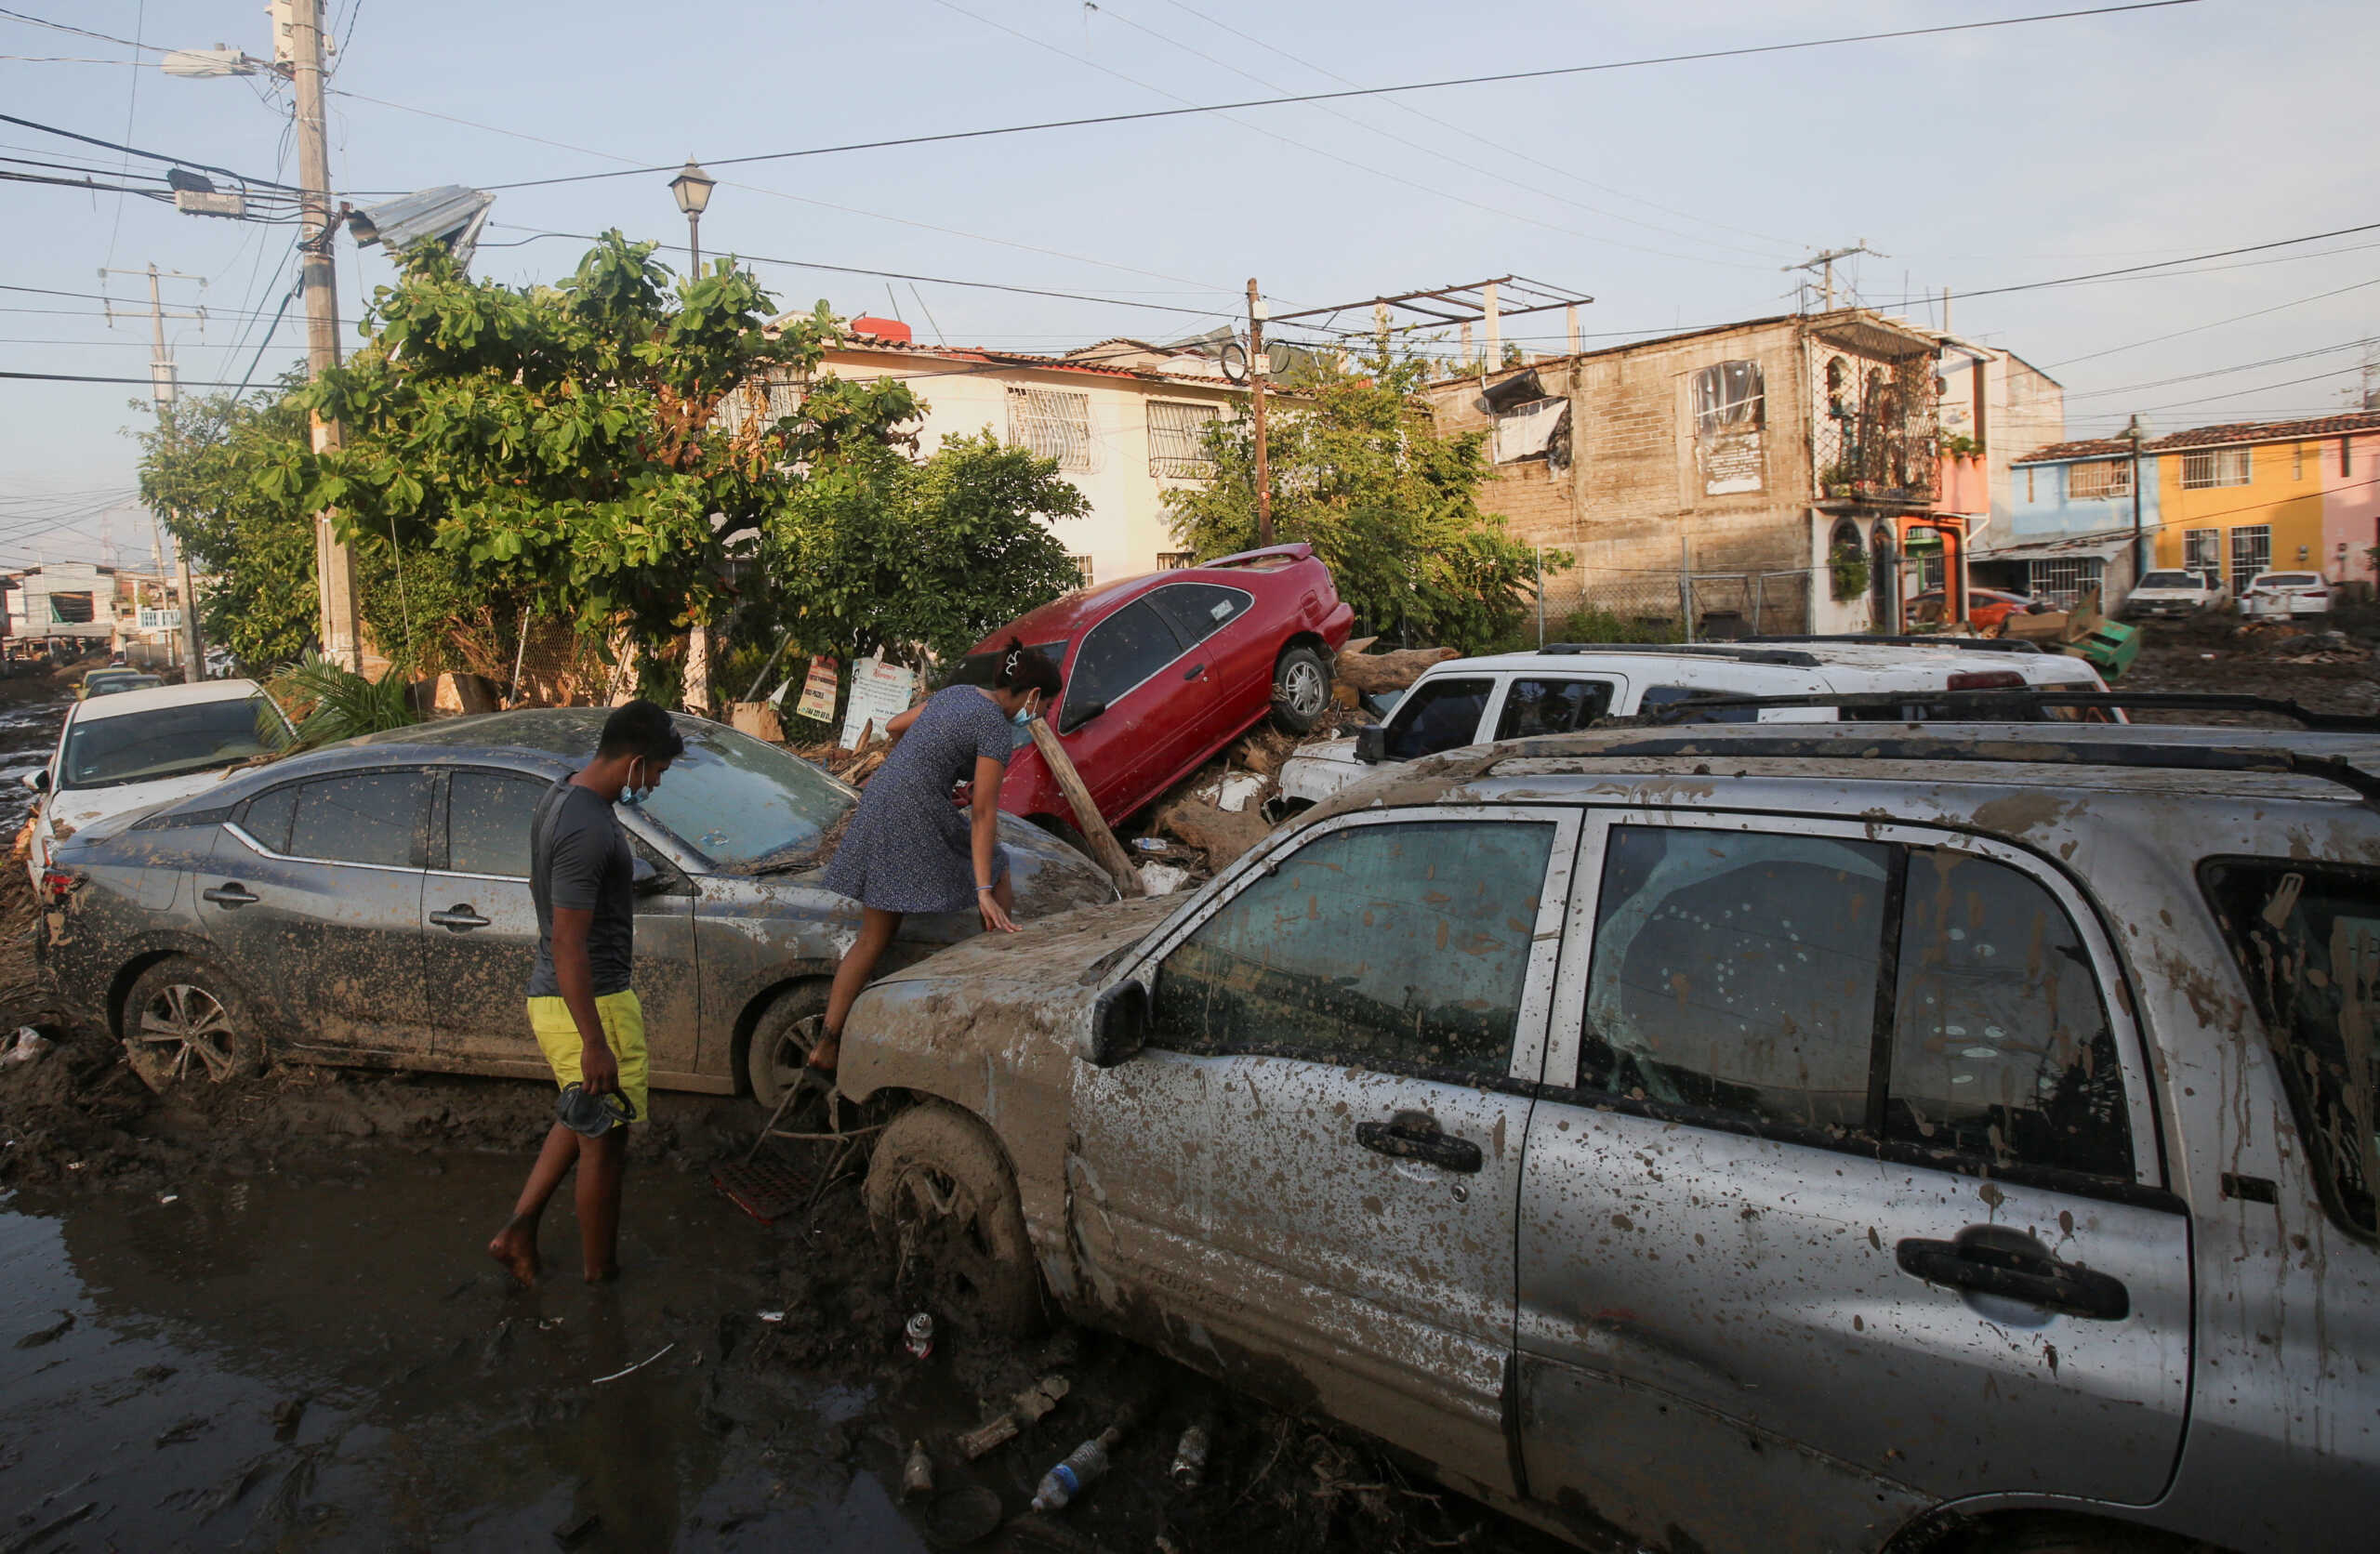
pixel 2307 939
pixel 738 801
pixel 2169 580
pixel 160 741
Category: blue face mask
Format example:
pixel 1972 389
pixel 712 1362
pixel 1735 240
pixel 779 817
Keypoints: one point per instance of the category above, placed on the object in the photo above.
pixel 635 796
pixel 1021 716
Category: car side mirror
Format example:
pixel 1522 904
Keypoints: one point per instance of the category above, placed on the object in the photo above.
pixel 37 779
pixel 1076 717
pixel 1371 745
pixel 1119 1024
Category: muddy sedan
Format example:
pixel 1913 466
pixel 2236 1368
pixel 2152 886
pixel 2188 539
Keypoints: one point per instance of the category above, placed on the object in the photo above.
pixel 369 903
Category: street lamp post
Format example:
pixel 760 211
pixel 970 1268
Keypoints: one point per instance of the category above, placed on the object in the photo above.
pixel 2136 434
pixel 692 188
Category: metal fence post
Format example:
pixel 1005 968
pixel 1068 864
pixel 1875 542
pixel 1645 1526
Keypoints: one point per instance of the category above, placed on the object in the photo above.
pixel 1540 598
pixel 1685 587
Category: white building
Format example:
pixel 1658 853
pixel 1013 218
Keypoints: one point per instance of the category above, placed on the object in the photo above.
pixel 75 601
pixel 1122 418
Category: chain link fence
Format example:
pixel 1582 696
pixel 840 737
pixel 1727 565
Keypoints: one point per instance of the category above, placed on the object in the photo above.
pixel 1608 604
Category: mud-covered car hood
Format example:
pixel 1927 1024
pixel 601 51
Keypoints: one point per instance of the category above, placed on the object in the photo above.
pixel 81 808
pixel 1051 952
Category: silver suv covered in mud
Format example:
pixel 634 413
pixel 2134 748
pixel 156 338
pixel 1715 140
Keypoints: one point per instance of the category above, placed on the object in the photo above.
pixel 1824 1137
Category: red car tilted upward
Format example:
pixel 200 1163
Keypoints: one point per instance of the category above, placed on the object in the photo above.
pixel 1163 671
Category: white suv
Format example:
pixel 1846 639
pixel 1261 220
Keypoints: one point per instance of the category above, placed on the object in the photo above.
pixel 2173 593
pixel 1562 689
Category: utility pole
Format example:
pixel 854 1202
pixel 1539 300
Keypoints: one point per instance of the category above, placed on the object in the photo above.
pixel 164 387
pixel 1824 265
pixel 334 563
pixel 1256 396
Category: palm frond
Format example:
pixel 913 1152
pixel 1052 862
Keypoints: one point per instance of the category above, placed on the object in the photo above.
pixel 327 701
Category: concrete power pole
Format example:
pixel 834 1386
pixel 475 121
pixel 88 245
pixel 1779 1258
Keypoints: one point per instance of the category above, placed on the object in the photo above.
pixel 1256 311
pixel 164 389
pixel 334 563
pixel 1824 265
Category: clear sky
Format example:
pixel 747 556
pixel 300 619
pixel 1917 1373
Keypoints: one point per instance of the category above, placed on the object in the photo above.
pixel 1675 193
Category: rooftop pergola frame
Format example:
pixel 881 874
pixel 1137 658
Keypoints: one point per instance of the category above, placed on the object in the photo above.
pixel 1485 302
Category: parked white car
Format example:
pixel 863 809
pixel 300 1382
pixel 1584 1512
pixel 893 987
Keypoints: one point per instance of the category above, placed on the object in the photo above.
pixel 1560 690
pixel 2174 593
pixel 137 748
pixel 2286 593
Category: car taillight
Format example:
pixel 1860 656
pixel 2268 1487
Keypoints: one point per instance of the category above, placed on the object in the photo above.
pixel 1987 680
pixel 57 884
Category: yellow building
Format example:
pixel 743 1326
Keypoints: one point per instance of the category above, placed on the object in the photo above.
pixel 2241 499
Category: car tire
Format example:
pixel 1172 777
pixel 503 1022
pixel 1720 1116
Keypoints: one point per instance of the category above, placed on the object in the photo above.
pixel 780 1041
pixel 1301 690
pixel 2063 1534
pixel 184 1021
pixel 940 1196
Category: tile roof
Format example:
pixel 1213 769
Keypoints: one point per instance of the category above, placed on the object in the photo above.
pixel 1018 359
pixel 2226 435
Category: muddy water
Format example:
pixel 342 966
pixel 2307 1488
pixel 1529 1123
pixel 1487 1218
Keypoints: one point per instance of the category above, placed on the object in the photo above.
pixel 441 1407
pixel 28 735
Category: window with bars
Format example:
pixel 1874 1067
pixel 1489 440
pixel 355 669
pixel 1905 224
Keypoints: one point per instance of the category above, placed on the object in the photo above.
pixel 1730 405
pixel 1174 560
pixel 2202 551
pixel 2251 553
pixel 2099 477
pixel 2202 467
pixel 1178 439
pixel 2064 580
pixel 1082 570
pixel 1053 424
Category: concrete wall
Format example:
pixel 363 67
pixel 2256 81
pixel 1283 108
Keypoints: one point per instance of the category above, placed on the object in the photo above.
pixel 28 605
pixel 2041 509
pixel 1127 528
pixel 2350 506
pixel 2284 492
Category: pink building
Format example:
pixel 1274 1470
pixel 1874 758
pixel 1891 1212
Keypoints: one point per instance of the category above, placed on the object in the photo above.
pixel 2350 496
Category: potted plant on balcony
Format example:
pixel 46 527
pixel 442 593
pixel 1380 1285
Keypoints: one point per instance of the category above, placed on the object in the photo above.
pixel 1834 481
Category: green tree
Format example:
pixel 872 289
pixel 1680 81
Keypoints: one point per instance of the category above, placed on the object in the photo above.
pixel 890 552
pixel 591 444
pixel 201 469
pixel 1359 471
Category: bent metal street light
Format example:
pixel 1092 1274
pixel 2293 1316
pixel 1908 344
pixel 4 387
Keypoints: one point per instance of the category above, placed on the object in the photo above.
pixel 692 188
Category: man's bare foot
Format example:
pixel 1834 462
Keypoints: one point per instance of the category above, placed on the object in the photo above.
pixel 603 1275
pixel 515 1246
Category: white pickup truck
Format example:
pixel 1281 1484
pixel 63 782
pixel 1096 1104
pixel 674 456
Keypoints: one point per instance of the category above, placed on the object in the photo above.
pixel 1563 688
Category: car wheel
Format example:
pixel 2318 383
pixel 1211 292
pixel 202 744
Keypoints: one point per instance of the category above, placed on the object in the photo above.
pixel 184 1021
pixel 782 1040
pixel 941 1195
pixel 1301 690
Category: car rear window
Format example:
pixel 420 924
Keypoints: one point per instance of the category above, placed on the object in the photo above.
pixel 2306 936
pixel 2287 580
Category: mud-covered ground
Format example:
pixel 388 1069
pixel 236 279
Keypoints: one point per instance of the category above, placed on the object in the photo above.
pixel 261 1317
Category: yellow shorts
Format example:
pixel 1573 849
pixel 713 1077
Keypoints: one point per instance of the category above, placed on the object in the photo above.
pixel 623 1027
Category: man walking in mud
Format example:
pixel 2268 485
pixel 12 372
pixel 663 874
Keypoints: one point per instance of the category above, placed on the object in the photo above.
pixel 582 875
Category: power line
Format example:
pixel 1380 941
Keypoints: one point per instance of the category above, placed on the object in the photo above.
pixel 81 32
pixel 243 178
pixel 2220 372
pixel 1368 91
pixel 2199 328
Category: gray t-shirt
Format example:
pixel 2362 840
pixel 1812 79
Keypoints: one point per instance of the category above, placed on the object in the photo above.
pixel 579 859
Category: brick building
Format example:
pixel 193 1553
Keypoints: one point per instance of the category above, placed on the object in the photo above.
pixel 1745 455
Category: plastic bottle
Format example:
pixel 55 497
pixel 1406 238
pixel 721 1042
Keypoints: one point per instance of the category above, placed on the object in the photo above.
pixel 1069 1479
pixel 1190 1458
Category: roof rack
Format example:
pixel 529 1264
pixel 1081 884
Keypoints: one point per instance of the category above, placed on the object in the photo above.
pixel 1692 650
pixel 1968 644
pixel 1981 705
pixel 2029 750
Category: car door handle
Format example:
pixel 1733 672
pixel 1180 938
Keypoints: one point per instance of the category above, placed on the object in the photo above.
pixel 2019 1275
pixel 230 893
pixel 1408 1136
pixel 458 919
pixel 1193 671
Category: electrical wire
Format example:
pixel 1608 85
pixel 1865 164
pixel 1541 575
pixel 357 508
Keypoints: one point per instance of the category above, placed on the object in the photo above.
pixel 2219 372
pixel 153 156
pixel 2199 328
pixel 1506 76
pixel 81 32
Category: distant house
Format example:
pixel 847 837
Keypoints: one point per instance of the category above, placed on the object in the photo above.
pixel 1124 419
pixel 2226 501
pixel 1753 454
pixel 63 601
